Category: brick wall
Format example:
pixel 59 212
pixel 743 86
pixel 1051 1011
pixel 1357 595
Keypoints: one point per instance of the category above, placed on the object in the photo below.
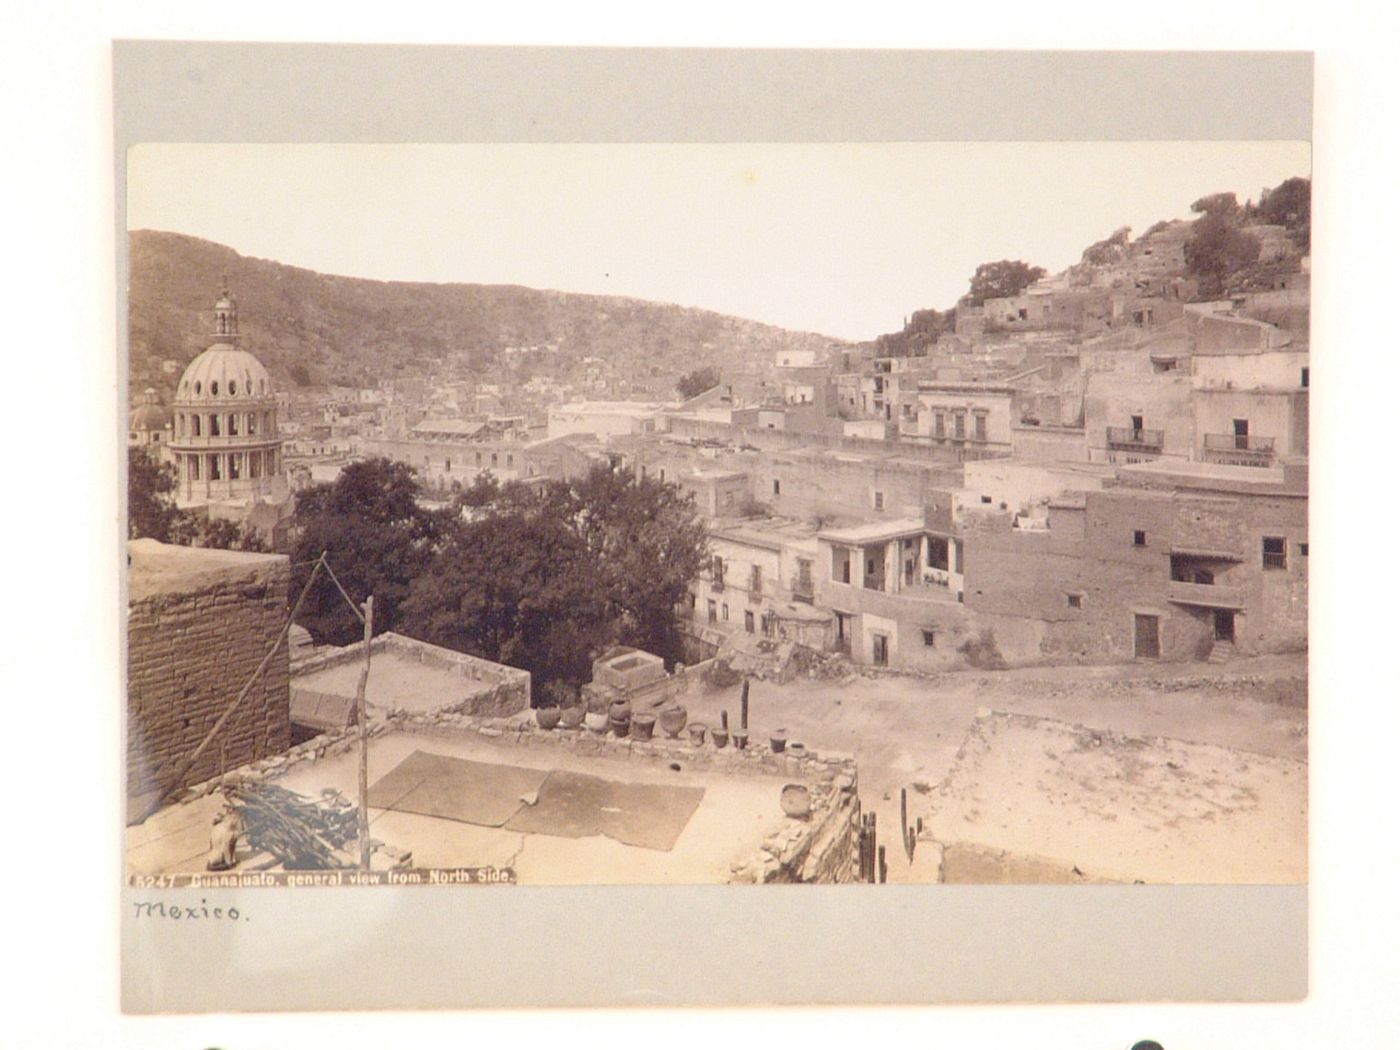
pixel 193 641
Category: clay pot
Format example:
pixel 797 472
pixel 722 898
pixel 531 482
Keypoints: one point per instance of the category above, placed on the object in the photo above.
pixel 697 734
pixel 642 726
pixel 796 801
pixel 547 717
pixel 570 717
pixel 619 726
pixel 797 750
pixel 741 740
pixel 596 721
pixel 720 737
pixel 778 741
pixel 673 720
pixel 620 710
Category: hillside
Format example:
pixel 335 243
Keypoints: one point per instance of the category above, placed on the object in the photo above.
pixel 357 331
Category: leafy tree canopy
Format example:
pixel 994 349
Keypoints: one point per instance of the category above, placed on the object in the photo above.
pixel 998 280
pixel 377 540
pixel 1217 249
pixel 696 382
pixel 153 514
pixel 1220 204
pixel 545 578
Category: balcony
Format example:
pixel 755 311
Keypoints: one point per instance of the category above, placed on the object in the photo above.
pixel 1135 439
pixel 1241 450
pixel 717 585
pixel 804 591
pixel 1209 595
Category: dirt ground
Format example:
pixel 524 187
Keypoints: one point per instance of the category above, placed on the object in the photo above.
pixel 1222 799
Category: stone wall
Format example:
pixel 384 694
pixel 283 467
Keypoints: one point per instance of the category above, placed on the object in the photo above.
pixel 494 689
pixel 197 629
pixel 821 848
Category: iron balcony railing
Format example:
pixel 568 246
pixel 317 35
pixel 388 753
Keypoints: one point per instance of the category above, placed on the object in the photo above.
pixel 1239 443
pixel 1135 437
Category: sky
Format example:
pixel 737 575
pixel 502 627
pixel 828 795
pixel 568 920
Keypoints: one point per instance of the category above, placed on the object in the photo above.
pixel 843 239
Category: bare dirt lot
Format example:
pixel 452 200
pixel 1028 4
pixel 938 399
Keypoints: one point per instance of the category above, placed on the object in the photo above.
pixel 1200 773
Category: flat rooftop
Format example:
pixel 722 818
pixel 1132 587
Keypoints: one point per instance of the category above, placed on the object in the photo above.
pixel 875 531
pixel 155 568
pixel 736 812
pixel 396 682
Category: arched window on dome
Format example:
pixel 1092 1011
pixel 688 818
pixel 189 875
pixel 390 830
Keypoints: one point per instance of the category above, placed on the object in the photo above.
pixel 198 386
pixel 233 424
pixel 214 388
pixel 214 425
pixel 215 467
pixel 232 387
pixel 252 422
pixel 194 422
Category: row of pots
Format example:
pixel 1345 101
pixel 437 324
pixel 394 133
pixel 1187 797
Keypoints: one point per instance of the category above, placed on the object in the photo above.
pixel 621 722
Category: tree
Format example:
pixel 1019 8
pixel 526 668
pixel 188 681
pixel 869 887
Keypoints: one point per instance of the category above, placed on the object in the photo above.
pixel 153 514
pixel 1001 279
pixel 546 578
pixel 377 539
pixel 696 382
pixel 1289 204
pixel 1223 205
pixel 1216 250
pixel 150 501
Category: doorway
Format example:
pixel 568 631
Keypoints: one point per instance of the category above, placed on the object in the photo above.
pixel 1146 639
pixel 1224 625
pixel 879 650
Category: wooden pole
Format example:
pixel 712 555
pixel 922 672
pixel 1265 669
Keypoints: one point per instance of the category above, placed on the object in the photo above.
pixel 364 737
pixel 744 708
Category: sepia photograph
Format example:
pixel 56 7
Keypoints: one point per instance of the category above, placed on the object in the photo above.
pixel 607 527
pixel 717 513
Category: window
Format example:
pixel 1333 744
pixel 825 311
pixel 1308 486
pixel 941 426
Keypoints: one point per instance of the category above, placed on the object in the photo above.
pixel 494 459
pixel 879 501
pixel 1139 538
pixel 777 487
pixel 213 426
pixel 1304 380
pixel 939 430
pixel 194 468
pixel 724 611
pixel 252 422
pixel 478 459
pixel 711 611
pixel 717 569
pixel 979 426
pixel 986 499
pixel 510 460
pixel 928 638
pixel 1275 552
pixel 1074 601
pixel 195 421
pixel 447 465
pixel 748 620
pixel 959 425
pixel 1302 550
pixel 214 388
pixel 215 473
pixel 756 579
pixel 133 435
pixel 233 424
pixel 234 466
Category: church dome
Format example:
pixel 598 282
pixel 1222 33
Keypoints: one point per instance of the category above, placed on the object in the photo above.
pixel 224 373
pixel 150 414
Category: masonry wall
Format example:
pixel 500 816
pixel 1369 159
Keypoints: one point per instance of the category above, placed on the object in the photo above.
pixel 189 653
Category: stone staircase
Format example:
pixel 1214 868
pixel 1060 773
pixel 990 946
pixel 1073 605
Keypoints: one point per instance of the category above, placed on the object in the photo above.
pixel 1221 652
